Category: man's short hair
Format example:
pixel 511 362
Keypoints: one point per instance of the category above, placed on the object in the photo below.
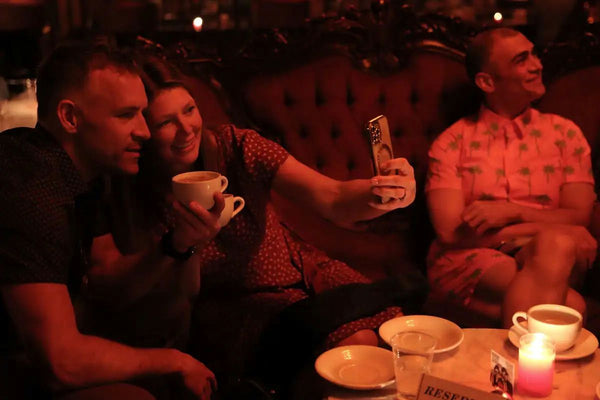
pixel 68 67
pixel 479 49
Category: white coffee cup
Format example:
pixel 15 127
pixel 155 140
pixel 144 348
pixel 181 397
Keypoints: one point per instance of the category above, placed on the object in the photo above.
pixel 231 209
pixel 561 323
pixel 198 186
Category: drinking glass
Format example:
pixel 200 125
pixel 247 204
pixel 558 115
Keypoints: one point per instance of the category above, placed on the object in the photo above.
pixel 413 353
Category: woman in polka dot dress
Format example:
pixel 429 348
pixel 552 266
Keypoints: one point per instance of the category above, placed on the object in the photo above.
pixel 252 268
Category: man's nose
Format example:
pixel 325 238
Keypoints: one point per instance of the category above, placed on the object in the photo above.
pixel 535 63
pixel 141 130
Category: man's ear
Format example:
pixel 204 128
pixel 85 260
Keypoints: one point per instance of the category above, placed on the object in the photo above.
pixel 485 82
pixel 67 114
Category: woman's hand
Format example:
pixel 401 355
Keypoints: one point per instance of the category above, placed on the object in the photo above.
pixel 195 225
pixel 397 185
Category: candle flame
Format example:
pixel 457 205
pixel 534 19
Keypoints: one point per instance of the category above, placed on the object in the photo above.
pixel 197 23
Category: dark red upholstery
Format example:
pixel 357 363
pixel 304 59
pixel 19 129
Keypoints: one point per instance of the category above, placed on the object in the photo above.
pixel 577 96
pixel 318 110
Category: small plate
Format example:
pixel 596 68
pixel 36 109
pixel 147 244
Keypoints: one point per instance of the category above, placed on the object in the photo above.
pixel 448 334
pixel 357 367
pixel 585 344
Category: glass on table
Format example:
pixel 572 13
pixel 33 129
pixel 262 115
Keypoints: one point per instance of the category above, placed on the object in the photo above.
pixel 413 353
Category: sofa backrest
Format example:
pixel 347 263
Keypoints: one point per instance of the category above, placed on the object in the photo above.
pixel 317 105
pixel 319 109
pixel 576 96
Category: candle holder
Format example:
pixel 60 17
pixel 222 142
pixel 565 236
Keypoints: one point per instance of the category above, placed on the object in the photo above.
pixel 536 365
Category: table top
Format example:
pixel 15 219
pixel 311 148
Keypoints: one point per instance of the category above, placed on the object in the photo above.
pixel 469 364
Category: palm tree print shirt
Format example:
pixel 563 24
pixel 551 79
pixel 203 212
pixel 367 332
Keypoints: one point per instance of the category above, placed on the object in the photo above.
pixel 524 160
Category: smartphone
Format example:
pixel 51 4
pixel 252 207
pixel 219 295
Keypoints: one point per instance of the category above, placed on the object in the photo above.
pixel 378 133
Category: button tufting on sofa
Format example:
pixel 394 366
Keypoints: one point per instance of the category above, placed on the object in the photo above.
pixel 319 98
pixel 320 163
pixel 303 133
pixel 287 99
pixel 350 99
pixel 351 164
pixel 414 97
pixel 335 132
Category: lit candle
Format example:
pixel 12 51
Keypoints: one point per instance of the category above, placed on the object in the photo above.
pixel 197 24
pixel 536 365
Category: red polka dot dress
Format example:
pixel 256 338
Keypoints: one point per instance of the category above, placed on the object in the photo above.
pixel 255 266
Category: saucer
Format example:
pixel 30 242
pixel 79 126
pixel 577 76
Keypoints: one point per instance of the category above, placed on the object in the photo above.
pixel 447 333
pixel 357 367
pixel 585 344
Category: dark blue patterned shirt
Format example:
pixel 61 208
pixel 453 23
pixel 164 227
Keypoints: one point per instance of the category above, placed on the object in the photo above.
pixel 47 214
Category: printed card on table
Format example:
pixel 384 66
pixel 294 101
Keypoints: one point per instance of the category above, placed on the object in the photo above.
pixel 433 387
pixel 502 374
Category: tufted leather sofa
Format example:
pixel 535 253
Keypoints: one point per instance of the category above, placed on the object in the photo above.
pixel 318 111
pixel 315 103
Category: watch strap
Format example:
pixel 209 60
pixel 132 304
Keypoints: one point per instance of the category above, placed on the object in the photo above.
pixel 166 244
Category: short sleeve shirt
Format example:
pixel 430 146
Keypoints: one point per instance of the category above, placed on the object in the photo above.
pixel 525 160
pixel 42 217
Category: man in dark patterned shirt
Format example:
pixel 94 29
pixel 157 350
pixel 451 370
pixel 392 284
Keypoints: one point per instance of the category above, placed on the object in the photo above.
pixel 90 123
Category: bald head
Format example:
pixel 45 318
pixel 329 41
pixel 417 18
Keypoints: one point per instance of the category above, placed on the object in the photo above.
pixel 503 63
pixel 480 49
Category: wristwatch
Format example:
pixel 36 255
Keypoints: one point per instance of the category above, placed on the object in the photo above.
pixel 166 244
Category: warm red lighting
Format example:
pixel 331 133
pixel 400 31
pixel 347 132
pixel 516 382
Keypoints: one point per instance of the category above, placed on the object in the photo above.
pixel 498 17
pixel 197 23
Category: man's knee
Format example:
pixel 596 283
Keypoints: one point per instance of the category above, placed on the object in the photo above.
pixel 553 252
pixel 554 244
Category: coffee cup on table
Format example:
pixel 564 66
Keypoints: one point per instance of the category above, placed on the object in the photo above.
pixel 233 205
pixel 561 323
pixel 199 186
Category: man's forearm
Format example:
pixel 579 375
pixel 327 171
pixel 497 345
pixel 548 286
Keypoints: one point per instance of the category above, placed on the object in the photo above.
pixel 127 278
pixel 556 216
pixel 466 238
pixel 90 360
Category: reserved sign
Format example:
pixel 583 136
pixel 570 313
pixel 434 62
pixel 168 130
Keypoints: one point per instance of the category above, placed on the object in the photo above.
pixel 433 387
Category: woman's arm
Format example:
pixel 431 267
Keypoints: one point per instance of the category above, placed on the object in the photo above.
pixel 348 202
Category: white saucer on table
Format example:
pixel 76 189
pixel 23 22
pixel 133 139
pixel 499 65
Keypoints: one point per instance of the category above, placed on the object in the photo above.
pixel 585 344
pixel 357 367
pixel 448 334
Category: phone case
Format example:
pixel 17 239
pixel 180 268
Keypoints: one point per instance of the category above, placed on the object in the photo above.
pixel 378 132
